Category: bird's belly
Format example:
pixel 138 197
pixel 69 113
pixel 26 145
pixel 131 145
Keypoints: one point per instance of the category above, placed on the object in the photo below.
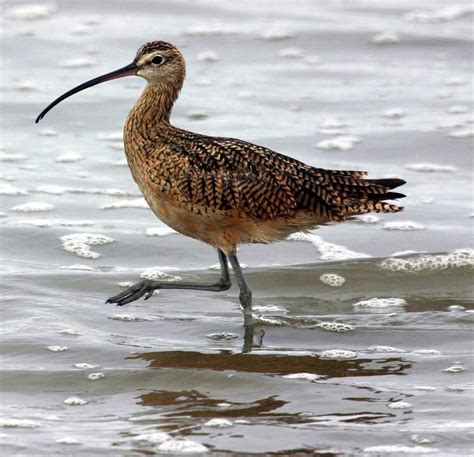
pixel 222 229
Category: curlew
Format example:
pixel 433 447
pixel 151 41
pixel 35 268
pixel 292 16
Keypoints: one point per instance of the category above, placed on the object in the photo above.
pixel 224 191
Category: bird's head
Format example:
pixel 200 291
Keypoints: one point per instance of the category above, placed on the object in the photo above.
pixel 160 63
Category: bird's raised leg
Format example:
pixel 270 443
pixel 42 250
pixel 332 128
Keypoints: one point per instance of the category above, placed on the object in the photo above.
pixel 245 295
pixel 147 286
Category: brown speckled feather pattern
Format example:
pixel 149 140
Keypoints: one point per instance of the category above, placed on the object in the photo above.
pixel 226 191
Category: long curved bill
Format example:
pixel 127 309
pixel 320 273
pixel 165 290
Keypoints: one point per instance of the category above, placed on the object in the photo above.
pixel 120 73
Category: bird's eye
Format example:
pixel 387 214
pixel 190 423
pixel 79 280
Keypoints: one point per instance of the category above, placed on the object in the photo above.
pixel 157 60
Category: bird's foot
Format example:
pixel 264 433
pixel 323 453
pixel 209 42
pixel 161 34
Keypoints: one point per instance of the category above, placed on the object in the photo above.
pixel 145 287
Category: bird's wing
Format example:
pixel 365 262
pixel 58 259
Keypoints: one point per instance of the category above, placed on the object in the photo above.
pixel 228 174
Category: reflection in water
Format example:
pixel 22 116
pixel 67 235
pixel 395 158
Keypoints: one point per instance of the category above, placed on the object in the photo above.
pixel 184 413
pixel 253 338
pixel 186 404
pixel 280 364
pixel 193 403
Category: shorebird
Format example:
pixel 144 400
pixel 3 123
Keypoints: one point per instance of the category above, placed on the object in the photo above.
pixel 224 191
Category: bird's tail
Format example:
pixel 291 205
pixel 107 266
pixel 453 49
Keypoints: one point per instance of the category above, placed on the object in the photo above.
pixel 350 194
pixel 371 196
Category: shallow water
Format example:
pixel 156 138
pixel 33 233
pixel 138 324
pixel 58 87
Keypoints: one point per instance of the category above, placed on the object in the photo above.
pixel 378 365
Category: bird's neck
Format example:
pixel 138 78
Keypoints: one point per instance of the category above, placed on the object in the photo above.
pixel 154 106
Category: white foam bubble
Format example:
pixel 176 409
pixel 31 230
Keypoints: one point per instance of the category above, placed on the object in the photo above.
pixel 78 266
pixel 276 34
pixel 455 388
pixel 290 53
pixel 384 349
pixel 335 123
pixel 174 446
pixel 11 157
pixel 159 231
pixel 462 133
pixel 48 132
pixel 337 327
pixel 79 244
pixel 25 86
pixel 33 207
pixel 207 30
pixel 380 304
pixel 69 331
pixel 428 352
pixel 99 191
pixel 456 308
pixel 68 440
pixel 305 376
pixel 152 437
pixel 420 440
pixel 398 449
pixel 57 348
pixel 155 273
pixel 270 309
pixel 456 81
pixel 444 14
pixel 332 279
pixel 342 143
pixel 32 12
pixel 51 189
pixel 461 258
pixel 219 423
pixel 83 29
pixel 403 253
pixel 337 354
pixel 394 113
pixel 431 168
pixel 217 266
pixel 95 376
pixel 454 369
pixel 68 157
pixel 85 366
pixel 208 56
pixel 327 250
pixel 75 401
pixel 222 336
pixel 128 318
pixel 78 62
pixel 387 37
pixel 367 219
pixel 444 93
pixel 8 189
pixel 458 109
pixel 425 388
pixel 400 405
pixel 54 223
pixel 404 226
pixel 18 423
pixel 334 126
pixel 136 203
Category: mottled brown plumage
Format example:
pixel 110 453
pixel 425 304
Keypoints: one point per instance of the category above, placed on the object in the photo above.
pixel 226 191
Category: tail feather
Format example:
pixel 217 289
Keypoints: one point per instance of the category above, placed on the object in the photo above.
pixel 386 196
pixel 390 183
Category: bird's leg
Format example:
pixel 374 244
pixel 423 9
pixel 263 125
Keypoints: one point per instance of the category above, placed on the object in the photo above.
pixel 245 295
pixel 147 286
